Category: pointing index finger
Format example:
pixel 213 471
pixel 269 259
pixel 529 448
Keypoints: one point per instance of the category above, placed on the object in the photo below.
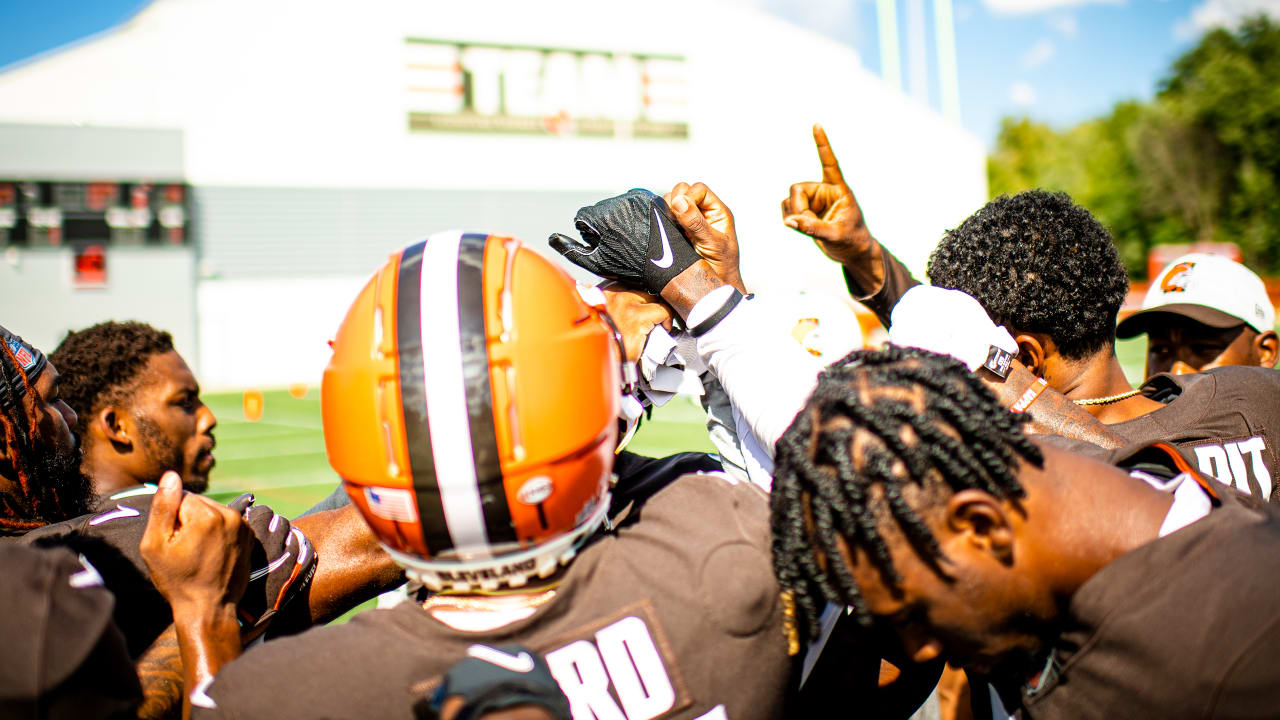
pixel 830 166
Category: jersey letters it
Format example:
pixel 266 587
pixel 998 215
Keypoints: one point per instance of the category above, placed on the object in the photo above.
pixel 1236 462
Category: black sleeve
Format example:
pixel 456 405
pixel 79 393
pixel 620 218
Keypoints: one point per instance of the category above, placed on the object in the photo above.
pixel 850 663
pixel 897 281
pixel 63 657
pixel 281 563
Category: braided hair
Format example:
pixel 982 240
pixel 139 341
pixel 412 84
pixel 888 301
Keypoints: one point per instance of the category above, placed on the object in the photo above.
pixel 912 423
pixel 49 485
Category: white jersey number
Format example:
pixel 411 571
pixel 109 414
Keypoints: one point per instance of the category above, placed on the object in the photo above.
pixel 623 657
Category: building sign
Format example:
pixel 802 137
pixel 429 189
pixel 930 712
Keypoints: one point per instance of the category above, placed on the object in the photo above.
pixel 471 87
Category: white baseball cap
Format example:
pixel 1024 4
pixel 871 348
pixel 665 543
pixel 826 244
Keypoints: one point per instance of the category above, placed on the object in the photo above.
pixel 1210 289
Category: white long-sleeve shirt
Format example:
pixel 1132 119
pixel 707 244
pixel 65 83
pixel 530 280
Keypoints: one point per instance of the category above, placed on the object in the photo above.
pixel 768 377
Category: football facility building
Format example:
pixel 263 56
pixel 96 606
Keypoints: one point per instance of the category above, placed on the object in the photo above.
pixel 233 170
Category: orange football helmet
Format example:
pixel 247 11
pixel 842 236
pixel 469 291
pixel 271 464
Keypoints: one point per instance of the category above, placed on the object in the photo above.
pixel 470 408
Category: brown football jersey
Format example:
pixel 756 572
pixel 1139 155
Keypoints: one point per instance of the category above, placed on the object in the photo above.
pixel 675 613
pixel 1227 418
pixel 281 563
pixel 1185 626
pixel 63 656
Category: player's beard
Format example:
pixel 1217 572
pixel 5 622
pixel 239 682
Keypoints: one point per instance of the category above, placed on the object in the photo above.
pixel 65 486
pixel 56 490
pixel 166 454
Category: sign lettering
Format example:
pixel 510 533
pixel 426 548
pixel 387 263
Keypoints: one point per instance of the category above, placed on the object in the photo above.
pixel 474 87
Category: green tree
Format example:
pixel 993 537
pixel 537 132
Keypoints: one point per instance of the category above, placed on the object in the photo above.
pixel 1200 162
pixel 1228 88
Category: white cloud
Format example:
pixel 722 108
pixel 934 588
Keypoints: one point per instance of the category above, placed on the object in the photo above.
pixel 1039 54
pixel 1065 24
pixel 1022 94
pixel 825 16
pixel 1024 7
pixel 1222 13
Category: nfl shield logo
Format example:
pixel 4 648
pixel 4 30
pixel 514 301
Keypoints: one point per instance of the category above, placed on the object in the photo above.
pixel 23 355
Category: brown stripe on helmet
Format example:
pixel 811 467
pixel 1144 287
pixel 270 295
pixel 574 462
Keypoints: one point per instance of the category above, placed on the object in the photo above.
pixel 475 372
pixel 413 400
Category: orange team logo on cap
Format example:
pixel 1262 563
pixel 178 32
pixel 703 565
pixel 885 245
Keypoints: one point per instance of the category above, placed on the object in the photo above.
pixel 1175 280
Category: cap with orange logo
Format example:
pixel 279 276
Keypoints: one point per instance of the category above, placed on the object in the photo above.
pixel 1210 289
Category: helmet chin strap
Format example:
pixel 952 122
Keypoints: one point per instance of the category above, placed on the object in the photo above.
pixel 509 570
pixel 629 407
pixel 629 412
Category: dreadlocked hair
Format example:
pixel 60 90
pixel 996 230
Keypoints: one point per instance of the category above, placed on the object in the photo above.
pixel 919 420
pixel 18 421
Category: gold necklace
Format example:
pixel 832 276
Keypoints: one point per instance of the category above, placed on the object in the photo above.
pixel 488 602
pixel 1108 399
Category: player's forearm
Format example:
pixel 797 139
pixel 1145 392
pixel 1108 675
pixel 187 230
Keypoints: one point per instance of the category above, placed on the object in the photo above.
pixel 767 378
pixel 880 282
pixel 1052 413
pixel 351 567
pixel 160 675
pixel 686 289
pixel 867 269
pixel 208 638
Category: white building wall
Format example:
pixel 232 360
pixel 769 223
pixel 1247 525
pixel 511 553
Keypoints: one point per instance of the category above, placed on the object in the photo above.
pixel 39 301
pixel 293 94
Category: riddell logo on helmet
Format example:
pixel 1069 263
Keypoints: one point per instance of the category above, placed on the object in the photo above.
pixel 1176 279
pixel 523 567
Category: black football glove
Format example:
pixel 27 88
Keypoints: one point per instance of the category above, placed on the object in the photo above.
pixel 631 238
pixel 490 679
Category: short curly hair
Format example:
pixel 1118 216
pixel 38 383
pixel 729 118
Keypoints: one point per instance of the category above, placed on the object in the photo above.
pixel 99 365
pixel 1038 263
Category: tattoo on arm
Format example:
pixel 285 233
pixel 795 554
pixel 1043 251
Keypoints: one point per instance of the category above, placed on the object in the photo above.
pixel 686 289
pixel 160 673
pixel 1053 413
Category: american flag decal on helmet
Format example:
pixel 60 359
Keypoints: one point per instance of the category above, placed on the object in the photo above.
pixel 391 504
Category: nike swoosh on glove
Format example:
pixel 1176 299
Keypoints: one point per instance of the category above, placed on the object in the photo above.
pixel 631 238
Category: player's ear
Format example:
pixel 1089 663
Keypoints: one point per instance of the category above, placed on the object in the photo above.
pixel 982 521
pixel 115 426
pixel 1267 348
pixel 1032 352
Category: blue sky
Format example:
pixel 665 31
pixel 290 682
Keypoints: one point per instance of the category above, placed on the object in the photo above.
pixel 1060 61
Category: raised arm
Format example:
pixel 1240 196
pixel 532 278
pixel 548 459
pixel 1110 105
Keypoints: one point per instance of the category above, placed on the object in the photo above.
pixel 828 212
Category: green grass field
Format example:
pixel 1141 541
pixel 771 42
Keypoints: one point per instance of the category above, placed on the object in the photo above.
pixel 281 456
